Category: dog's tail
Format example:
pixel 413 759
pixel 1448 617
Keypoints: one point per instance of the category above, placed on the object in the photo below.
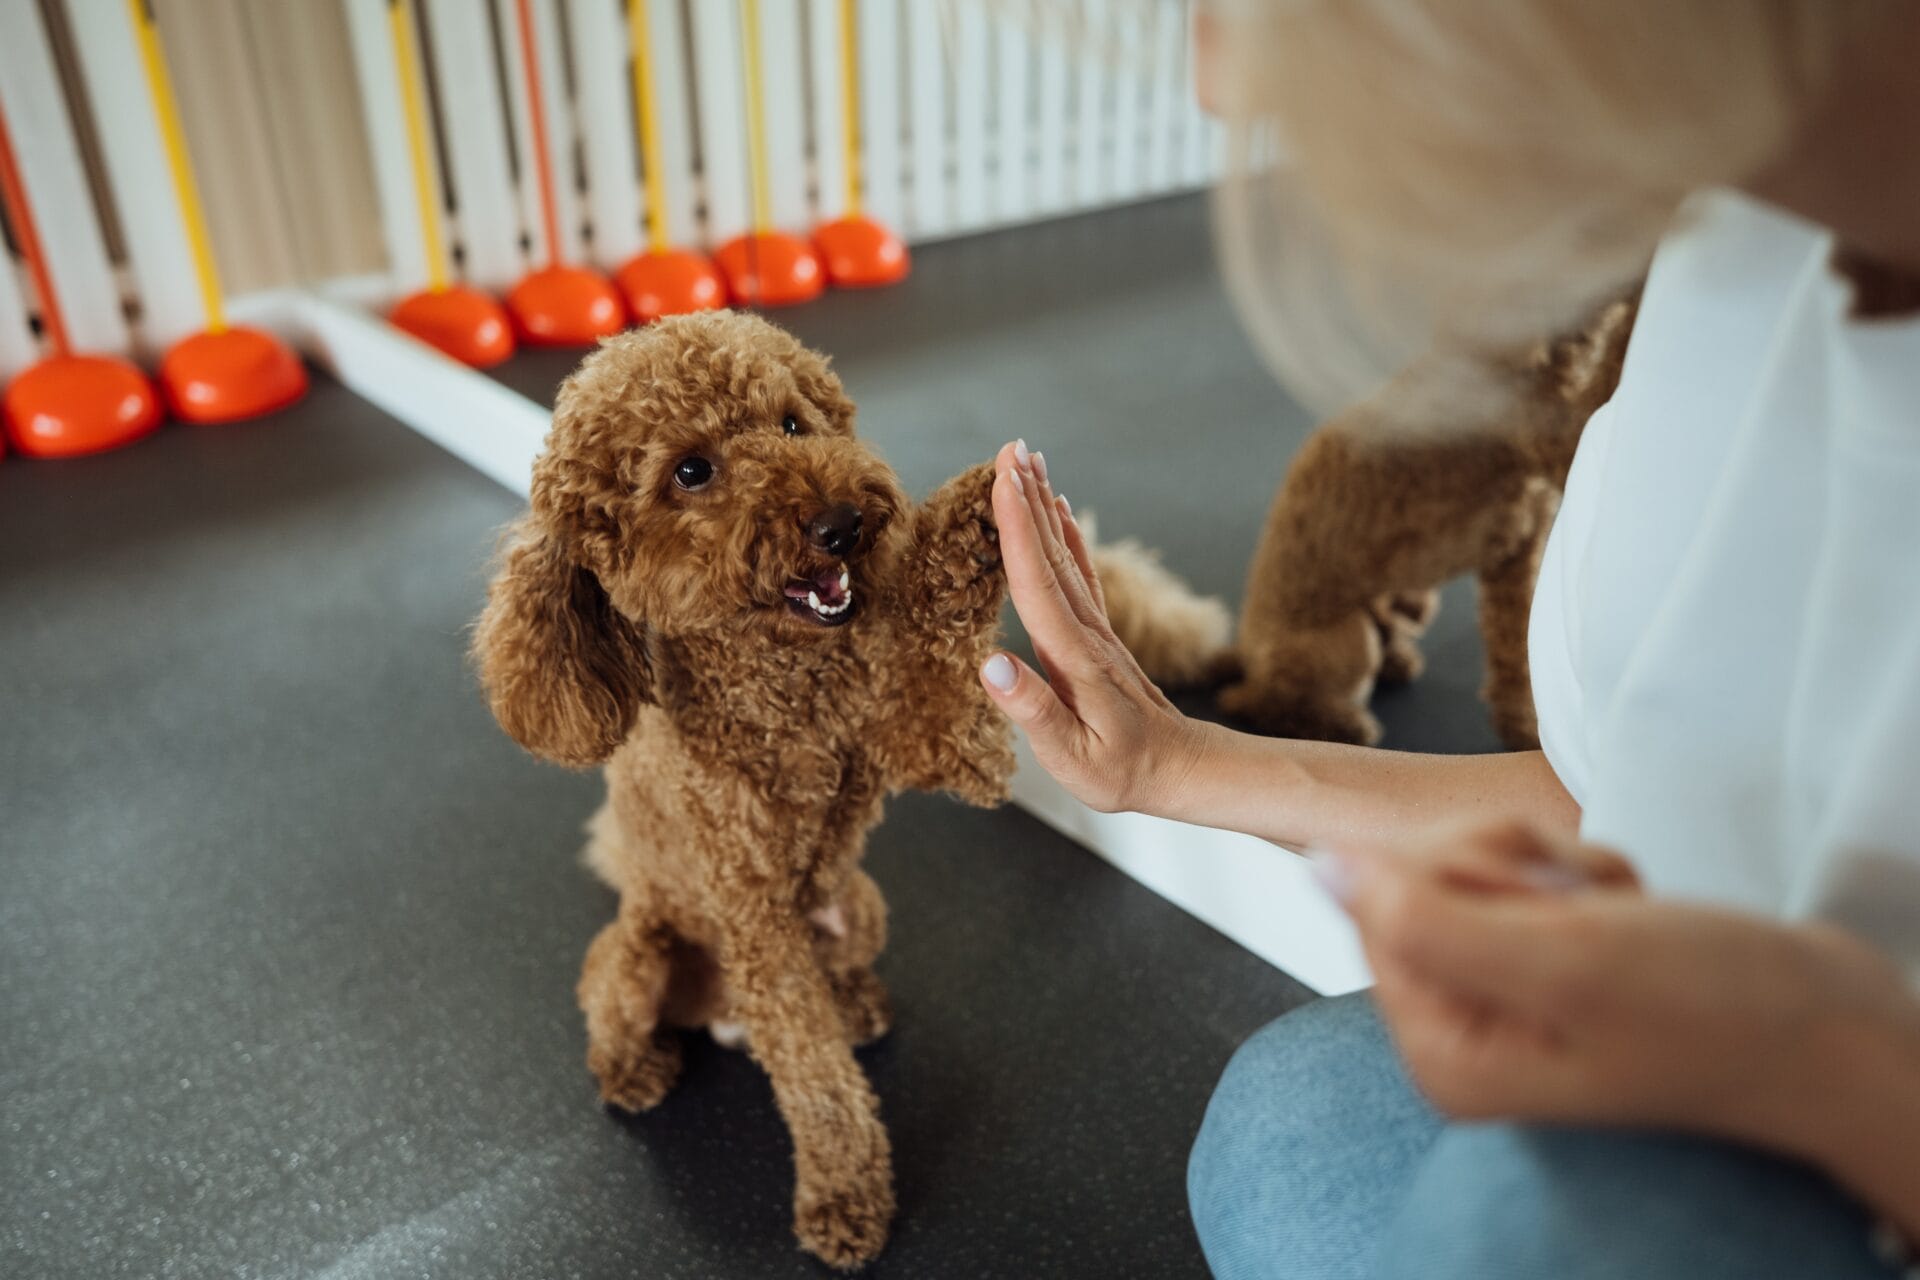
pixel 1181 638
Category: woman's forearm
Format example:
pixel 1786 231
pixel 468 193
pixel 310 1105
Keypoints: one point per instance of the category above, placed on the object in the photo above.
pixel 1298 794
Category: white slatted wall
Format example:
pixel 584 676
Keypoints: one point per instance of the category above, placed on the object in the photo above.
pixel 972 114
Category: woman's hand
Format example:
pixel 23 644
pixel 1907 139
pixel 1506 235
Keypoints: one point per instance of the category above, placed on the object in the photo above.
pixel 1100 726
pixel 1525 977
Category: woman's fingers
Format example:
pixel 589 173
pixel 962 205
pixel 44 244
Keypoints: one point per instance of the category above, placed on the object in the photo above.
pixel 1031 703
pixel 1082 554
pixel 1038 594
pixel 1511 951
pixel 1031 468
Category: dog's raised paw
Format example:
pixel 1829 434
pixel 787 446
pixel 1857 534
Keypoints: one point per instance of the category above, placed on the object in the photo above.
pixel 846 1230
pixel 637 1082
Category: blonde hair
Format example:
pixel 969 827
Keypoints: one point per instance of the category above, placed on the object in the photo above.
pixel 1487 170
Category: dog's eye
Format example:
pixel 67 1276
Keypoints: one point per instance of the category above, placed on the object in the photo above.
pixel 693 472
pixel 790 425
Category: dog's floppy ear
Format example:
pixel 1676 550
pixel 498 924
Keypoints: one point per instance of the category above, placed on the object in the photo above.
pixel 564 671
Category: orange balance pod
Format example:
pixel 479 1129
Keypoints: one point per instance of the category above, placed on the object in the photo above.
pixel 65 406
pixel 464 323
pixel 229 374
pixel 670 282
pixel 565 307
pixel 771 268
pixel 859 253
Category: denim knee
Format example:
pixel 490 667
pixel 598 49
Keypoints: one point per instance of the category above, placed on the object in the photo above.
pixel 1306 1145
pixel 1507 1202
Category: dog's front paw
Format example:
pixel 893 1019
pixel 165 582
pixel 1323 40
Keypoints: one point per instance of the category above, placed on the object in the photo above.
pixel 846 1228
pixel 865 1009
pixel 637 1081
pixel 958 546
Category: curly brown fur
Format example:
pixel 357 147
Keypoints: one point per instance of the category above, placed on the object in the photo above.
pixel 1392 498
pixel 1180 638
pixel 748 737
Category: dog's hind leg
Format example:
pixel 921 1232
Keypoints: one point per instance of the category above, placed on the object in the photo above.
pixel 635 1058
pixel 843 1165
pixel 848 936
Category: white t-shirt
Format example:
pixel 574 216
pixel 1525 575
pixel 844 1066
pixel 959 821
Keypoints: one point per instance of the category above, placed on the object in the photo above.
pixel 1726 631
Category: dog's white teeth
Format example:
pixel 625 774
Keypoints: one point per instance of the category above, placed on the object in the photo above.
pixel 845 580
pixel 813 599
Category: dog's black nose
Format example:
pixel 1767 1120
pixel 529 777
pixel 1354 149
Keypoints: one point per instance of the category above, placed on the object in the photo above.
pixel 836 530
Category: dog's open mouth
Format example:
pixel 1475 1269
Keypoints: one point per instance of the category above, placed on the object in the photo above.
pixel 825 598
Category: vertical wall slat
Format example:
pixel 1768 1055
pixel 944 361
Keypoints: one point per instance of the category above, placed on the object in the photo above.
pixel 1014 134
pixel 17 347
pixel 559 121
pixel 927 76
pixel 1050 134
pixel 1091 116
pixel 829 128
pixel 116 82
pixel 1127 54
pixel 970 89
pixel 603 87
pixel 1164 95
pixel 784 95
pixel 384 113
pixel 673 121
pixel 487 209
pixel 720 80
pixel 48 153
pixel 880 109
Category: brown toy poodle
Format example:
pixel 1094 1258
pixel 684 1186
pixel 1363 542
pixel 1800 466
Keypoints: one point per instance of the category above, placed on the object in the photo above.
pixel 1412 487
pixel 725 597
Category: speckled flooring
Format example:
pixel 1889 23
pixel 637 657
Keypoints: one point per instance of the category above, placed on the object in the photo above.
pixel 288 929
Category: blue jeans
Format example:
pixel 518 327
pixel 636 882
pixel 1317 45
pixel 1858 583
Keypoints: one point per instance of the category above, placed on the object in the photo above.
pixel 1319 1161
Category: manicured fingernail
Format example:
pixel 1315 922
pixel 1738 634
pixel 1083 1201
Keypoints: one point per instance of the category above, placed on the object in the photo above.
pixel 999 672
pixel 1334 873
pixel 1066 508
pixel 1019 485
pixel 1020 454
pixel 1040 466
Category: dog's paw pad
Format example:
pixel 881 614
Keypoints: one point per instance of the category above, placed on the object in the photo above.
pixel 846 1230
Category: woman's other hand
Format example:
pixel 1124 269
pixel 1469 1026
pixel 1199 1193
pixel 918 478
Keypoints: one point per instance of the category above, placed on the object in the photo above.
pixel 1525 977
pixel 1096 722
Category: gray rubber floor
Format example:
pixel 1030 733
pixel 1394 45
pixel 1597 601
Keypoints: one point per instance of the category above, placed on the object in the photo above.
pixel 288 929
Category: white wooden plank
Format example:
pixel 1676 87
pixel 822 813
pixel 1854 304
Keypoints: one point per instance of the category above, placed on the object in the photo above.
pixel 382 109
pixel 673 120
pixel 487 208
pixel 1127 150
pixel 150 219
pixel 17 347
pixel 880 110
pixel 970 108
pixel 1014 131
pixel 49 157
pixel 1050 135
pixel 603 87
pixel 829 122
pixel 1195 162
pixel 1163 94
pixel 1091 116
pixel 783 93
pixel 719 77
pixel 932 208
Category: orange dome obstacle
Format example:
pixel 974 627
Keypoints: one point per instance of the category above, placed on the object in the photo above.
pixel 858 252
pixel 224 373
pixel 765 266
pixel 464 323
pixel 557 305
pixel 661 280
pixel 66 404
